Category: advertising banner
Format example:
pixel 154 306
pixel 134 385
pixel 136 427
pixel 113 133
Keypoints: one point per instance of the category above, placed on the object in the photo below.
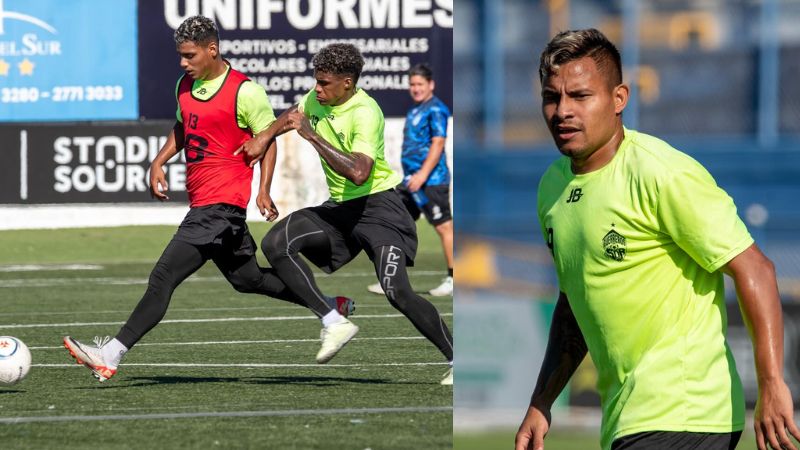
pixel 272 42
pixel 85 164
pixel 75 62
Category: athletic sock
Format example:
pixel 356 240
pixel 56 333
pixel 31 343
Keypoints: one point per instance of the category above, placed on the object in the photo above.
pixel 113 352
pixel 450 272
pixel 332 318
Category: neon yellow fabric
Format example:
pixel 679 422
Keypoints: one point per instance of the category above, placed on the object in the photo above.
pixel 353 127
pixel 637 245
pixel 253 109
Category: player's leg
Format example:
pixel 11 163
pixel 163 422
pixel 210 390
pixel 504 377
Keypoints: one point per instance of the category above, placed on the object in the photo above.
pixel 445 232
pixel 413 210
pixel 673 440
pixel 179 260
pixel 437 212
pixel 390 266
pixel 282 246
pixel 237 262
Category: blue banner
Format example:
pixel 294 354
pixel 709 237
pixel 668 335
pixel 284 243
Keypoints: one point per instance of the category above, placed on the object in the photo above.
pixel 72 60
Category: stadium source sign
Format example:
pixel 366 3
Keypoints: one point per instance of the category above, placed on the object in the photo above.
pixel 85 164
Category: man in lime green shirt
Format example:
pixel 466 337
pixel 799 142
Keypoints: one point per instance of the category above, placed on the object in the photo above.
pixel 364 212
pixel 640 235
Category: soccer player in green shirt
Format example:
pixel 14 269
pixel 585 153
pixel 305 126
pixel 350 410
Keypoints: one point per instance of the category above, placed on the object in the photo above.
pixel 640 235
pixel 364 212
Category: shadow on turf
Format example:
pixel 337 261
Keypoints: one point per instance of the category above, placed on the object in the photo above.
pixel 10 391
pixel 315 381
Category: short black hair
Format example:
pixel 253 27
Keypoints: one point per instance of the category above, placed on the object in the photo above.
pixel 571 45
pixel 421 69
pixel 197 29
pixel 339 59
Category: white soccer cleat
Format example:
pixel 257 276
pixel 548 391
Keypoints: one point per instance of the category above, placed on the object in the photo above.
pixel 444 289
pixel 91 357
pixel 334 337
pixel 448 378
pixel 376 289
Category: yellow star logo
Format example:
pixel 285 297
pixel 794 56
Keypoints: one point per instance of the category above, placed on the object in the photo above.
pixel 26 67
pixel 4 68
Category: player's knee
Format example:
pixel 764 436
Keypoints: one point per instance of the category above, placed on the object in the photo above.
pixel 245 285
pixel 444 228
pixel 274 243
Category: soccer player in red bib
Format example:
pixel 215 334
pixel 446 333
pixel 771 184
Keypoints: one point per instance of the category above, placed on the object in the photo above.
pixel 219 109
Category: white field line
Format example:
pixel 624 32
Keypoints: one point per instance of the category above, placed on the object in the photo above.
pixel 264 341
pixel 222 319
pixel 172 310
pixel 50 267
pixel 268 413
pixel 263 365
pixel 122 281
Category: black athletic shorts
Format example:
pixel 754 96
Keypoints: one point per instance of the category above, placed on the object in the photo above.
pixel 219 224
pixel 437 210
pixel 677 440
pixel 363 223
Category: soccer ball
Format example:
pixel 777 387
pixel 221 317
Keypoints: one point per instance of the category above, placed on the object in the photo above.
pixel 15 360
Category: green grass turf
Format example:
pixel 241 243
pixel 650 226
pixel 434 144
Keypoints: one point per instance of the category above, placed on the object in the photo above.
pixel 60 300
pixel 557 439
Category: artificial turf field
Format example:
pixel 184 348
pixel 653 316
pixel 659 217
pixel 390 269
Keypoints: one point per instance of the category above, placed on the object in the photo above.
pixel 223 369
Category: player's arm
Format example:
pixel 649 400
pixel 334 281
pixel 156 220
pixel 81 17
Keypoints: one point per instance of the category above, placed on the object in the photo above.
pixel 158 179
pixel 566 348
pixel 264 200
pixel 256 148
pixel 434 154
pixel 756 286
pixel 355 166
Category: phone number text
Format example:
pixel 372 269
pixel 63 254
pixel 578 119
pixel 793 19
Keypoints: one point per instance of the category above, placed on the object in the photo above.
pixel 62 94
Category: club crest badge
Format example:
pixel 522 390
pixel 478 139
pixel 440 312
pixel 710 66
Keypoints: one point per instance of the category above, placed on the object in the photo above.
pixel 614 245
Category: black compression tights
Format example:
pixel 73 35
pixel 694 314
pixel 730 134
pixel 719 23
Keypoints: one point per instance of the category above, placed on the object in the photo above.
pixel 298 234
pixel 180 260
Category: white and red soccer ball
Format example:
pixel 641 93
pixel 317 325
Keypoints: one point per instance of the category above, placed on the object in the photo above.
pixel 15 360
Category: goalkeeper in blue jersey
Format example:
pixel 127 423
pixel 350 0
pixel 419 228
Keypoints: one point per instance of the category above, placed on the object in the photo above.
pixel 426 178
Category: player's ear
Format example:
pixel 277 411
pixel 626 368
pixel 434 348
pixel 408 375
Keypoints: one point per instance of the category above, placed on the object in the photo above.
pixel 620 94
pixel 213 49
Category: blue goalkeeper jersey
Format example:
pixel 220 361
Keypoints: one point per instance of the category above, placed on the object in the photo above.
pixel 424 122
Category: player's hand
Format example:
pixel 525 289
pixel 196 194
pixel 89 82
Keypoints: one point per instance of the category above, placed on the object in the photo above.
pixel 533 429
pixel 415 182
pixel 158 183
pixel 266 206
pixel 253 149
pixel 774 417
pixel 298 121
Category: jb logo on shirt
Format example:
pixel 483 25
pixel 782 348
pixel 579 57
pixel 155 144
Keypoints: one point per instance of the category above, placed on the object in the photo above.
pixel 574 195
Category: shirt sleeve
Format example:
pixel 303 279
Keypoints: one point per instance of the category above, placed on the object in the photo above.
pixel 438 121
pixel 178 111
pixel 701 217
pixel 253 109
pixel 368 132
pixel 304 104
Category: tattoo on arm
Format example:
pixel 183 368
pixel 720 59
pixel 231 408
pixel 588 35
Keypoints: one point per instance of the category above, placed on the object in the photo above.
pixel 566 348
pixel 356 167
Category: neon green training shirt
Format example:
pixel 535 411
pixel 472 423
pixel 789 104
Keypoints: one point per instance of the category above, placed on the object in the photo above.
pixel 355 126
pixel 253 109
pixel 637 246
